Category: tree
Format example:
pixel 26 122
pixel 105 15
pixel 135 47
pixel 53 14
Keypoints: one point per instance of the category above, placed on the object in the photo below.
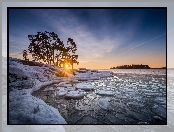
pixel 43 46
pixel 36 47
pixel 72 49
pixel 48 47
pixel 25 54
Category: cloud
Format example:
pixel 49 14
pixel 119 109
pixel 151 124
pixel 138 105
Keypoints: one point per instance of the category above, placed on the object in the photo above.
pixel 98 39
pixel 89 46
pixel 13 54
pixel 141 44
pixel 17 47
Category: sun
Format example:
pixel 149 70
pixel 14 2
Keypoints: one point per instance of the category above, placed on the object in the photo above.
pixel 66 66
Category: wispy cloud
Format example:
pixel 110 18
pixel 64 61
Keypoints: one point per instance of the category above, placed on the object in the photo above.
pixel 140 44
pixel 15 54
pixel 17 47
pixel 90 47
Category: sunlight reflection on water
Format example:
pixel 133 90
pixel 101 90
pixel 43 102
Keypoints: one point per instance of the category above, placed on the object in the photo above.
pixel 136 94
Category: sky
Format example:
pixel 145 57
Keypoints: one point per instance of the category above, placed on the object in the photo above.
pixel 105 38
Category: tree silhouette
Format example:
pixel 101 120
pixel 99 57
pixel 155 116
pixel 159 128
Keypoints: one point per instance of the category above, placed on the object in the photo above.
pixel 43 45
pixel 25 54
pixel 133 66
pixel 72 49
pixel 48 47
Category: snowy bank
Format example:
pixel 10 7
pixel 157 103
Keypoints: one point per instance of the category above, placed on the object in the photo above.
pixel 23 107
pixel 19 128
pixel 26 109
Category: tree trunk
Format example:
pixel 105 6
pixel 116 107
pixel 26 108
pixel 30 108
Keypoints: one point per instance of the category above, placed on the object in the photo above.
pixel 53 58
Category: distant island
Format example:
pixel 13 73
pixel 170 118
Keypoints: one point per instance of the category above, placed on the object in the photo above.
pixel 135 66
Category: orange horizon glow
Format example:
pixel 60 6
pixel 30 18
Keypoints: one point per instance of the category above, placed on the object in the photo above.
pixel 108 64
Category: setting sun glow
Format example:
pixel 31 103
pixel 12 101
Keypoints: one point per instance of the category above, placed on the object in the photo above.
pixel 66 66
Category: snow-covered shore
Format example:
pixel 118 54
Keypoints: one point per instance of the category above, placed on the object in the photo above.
pixel 25 108
pixel 24 79
pixel 20 128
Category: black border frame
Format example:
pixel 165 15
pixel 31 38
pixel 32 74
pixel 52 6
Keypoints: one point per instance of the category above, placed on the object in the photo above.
pixel 8 8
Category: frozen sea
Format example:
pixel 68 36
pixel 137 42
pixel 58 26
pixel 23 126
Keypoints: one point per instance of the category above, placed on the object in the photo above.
pixel 86 128
pixel 139 98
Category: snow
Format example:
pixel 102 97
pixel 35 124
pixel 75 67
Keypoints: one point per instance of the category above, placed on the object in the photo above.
pixel 105 92
pixel 104 104
pixel 21 128
pixel 23 107
pixel 26 109
pixel 84 86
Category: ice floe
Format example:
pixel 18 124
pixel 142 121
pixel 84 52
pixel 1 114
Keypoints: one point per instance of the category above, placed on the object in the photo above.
pixel 74 94
pixel 84 86
pixel 75 81
pixel 70 88
pixel 104 104
pixel 105 92
pixel 62 92
pixel 64 84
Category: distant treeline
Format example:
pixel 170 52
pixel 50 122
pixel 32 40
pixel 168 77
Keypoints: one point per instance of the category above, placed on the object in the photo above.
pixel 133 66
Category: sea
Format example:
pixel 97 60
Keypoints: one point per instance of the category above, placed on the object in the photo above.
pixel 140 98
